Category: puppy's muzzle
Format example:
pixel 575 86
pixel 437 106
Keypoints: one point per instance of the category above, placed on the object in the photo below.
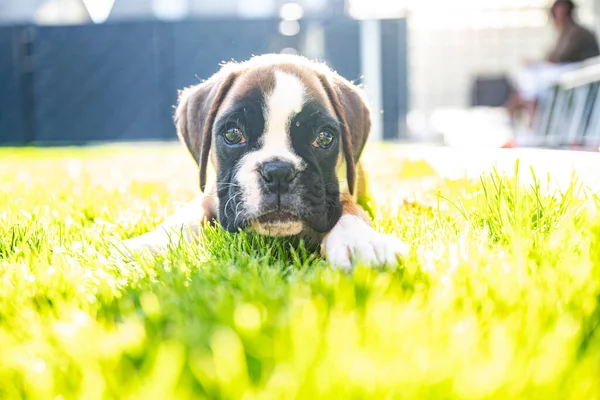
pixel 278 176
pixel 280 216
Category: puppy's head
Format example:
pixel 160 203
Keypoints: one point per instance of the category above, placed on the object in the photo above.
pixel 276 129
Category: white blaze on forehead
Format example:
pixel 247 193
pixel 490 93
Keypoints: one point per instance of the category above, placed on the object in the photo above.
pixel 281 105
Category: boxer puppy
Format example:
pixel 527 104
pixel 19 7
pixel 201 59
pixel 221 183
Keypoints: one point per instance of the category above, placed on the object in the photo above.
pixel 284 136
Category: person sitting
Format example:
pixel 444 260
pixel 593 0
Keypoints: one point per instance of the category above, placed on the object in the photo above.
pixel 575 44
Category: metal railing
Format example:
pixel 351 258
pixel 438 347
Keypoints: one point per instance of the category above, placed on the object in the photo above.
pixel 569 113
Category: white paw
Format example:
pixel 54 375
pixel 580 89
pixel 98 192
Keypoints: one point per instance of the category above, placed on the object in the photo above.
pixel 352 239
pixel 126 250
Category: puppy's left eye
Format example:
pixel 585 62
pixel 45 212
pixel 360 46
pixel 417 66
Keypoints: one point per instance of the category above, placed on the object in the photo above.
pixel 234 136
pixel 324 140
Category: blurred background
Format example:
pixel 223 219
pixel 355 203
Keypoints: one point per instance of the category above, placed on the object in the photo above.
pixel 435 71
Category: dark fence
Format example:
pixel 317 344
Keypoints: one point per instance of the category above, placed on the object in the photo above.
pixel 12 119
pixel 119 81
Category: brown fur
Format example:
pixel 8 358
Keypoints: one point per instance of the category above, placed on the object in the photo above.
pixel 193 107
pixel 208 126
pixel 350 207
pixel 346 133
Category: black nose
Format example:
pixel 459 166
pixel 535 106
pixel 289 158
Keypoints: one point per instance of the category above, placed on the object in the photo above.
pixel 278 172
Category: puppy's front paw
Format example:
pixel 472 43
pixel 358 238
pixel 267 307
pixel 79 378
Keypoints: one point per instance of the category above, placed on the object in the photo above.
pixel 352 239
pixel 126 250
pixel 123 250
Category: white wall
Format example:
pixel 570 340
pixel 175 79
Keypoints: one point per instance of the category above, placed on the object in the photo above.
pixel 597 16
pixel 18 10
pixel 443 63
pixel 132 9
pixel 449 46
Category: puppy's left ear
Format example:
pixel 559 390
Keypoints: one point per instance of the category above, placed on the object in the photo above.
pixel 195 115
pixel 353 113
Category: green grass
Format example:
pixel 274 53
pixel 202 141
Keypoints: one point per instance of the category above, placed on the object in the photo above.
pixel 498 299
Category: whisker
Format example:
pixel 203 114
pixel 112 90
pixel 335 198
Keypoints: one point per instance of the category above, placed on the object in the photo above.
pixel 226 184
pixel 227 203
pixel 237 214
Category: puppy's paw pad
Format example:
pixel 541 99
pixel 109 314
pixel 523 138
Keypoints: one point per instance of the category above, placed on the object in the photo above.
pixel 353 240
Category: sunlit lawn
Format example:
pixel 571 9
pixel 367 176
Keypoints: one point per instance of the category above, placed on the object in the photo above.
pixel 498 299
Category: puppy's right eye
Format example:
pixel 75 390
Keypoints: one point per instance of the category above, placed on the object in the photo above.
pixel 234 136
pixel 323 140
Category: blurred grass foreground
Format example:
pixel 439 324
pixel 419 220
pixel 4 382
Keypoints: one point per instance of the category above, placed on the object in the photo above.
pixel 498 299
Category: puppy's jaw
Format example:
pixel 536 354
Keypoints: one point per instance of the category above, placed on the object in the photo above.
pixel 278 228
pixel 281 105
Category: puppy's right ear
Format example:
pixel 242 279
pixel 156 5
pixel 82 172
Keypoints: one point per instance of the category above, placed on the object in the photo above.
pixel 195 115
